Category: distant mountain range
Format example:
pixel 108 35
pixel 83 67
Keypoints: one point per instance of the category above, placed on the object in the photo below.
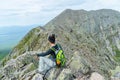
pixel 10 37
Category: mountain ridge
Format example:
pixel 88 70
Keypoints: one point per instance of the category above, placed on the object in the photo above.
pixel 91 37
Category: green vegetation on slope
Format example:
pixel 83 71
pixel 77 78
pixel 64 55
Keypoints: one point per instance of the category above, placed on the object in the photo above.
pixel 26 42
pixel 117 55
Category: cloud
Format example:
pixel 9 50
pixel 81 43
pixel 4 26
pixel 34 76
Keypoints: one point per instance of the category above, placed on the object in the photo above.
pixel 27 12
pixel 100 4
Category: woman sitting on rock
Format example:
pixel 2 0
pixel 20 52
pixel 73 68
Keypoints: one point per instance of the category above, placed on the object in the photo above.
pixel 47 63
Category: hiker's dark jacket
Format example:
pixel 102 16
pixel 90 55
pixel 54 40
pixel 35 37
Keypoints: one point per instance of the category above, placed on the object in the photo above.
pixel 49 52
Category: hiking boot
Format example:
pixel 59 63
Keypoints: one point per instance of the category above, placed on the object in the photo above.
pixel 37 71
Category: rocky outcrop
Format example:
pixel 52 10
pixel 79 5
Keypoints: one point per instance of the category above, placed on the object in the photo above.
pixel 22 69
pixel 17 68
pixel 96 76
pixel 90 40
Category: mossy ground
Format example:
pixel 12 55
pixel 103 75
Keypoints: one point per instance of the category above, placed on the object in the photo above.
pixel 117 56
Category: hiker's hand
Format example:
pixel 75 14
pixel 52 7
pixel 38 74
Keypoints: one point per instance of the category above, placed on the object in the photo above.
pixel 36 57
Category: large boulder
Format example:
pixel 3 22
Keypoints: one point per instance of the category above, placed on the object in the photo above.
pixel 77 63
pixel 66 74
pixel 96 76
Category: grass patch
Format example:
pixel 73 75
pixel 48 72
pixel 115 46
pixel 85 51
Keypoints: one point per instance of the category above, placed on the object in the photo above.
pixel 117 56
pixel 117 53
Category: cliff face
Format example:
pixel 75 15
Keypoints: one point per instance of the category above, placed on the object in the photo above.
pixel 90 39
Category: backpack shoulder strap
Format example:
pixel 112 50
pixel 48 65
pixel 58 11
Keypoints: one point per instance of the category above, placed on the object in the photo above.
pixel 59 46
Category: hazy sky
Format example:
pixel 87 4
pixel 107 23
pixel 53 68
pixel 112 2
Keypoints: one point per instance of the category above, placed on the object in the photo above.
pixel 29 12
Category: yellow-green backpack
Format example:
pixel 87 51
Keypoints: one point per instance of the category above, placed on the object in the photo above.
pixel 60 57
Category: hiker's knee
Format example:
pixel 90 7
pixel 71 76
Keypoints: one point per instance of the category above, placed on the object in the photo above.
pixel 41 58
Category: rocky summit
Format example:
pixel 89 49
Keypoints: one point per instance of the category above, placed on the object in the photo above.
pixel 90 40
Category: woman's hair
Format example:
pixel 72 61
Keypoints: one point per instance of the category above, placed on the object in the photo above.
pixel 51 38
